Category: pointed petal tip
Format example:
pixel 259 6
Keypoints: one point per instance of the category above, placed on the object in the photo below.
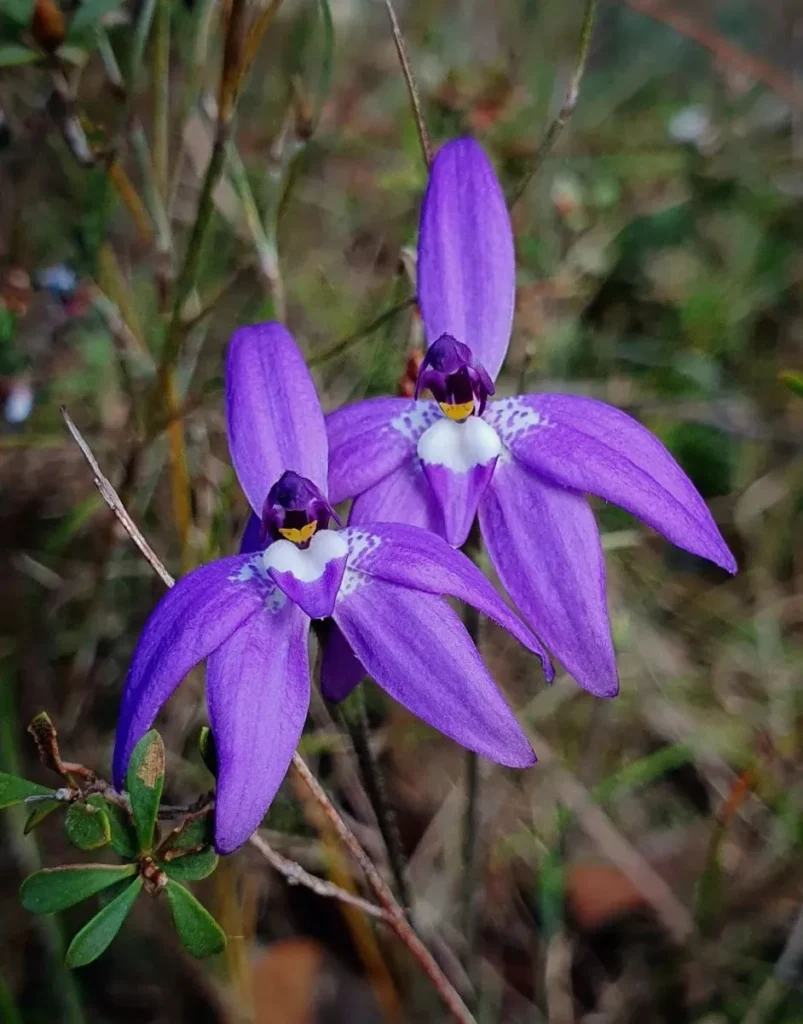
pixel 524 759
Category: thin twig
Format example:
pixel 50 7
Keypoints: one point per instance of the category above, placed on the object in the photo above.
pixel 569 103
pixel 345 343
pixel 394 915
pixel 726 53
pixel 296 875
pixel 355 718
pixel 112 499
pixel 420 123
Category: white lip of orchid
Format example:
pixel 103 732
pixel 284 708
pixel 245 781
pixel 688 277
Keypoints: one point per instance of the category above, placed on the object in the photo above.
pixel 459 447
pixel 306 564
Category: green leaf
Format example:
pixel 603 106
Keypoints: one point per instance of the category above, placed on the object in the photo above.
pixel 54 889
pixel 197 833
pixel 89 13
pixel 20 11
pixel 14 790
pixel 123 836
pixel 145 779
pixel 206 745
pixel 87 826
pixel 41 809
pixel 12 55
pixel 97 934
pixel 190 867
pixel 198 930
pixel 793 379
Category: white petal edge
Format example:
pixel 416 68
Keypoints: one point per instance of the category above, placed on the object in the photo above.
pixel 459 447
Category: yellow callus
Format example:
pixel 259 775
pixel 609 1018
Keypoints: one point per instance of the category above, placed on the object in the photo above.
pixel 459 412
pixel 299 535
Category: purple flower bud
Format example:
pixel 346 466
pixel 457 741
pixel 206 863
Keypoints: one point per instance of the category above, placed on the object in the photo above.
pixel 295 509
pixel 459 385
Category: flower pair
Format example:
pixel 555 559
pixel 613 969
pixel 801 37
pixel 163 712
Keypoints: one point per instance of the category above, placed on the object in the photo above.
pixel 420 471
pixel 249 615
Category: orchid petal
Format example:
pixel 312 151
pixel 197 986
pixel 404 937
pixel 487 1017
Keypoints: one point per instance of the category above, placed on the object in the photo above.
pixel 258 693
pixel 590 446
pixel 192 620
pixel 419 560
pixel 310 577
pixel 458 461
pixel 544 544
pixel 466 262
pixel 403 496
pixel 368 440
pixel 341 670
pixel 252 536
pixel 417 649
pixel 275 421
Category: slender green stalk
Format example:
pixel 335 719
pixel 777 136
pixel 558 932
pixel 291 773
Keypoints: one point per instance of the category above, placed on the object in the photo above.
pixel 141 33
pixel 355 716
pixel 161 97
pixel 567 108
pixel 266 248
pixel 363 332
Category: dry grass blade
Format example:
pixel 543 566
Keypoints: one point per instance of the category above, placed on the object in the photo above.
pixel 418 114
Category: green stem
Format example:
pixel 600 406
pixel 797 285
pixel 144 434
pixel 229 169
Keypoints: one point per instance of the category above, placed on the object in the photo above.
pixel 161 98
pixel 567 108
pixel 355 715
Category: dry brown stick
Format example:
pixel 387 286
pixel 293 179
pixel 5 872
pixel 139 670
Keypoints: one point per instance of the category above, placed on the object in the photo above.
pixel 395 916
pixel 415 101
pixel 393 913
pixel 296 875
pixel 725 51
pixel 112 499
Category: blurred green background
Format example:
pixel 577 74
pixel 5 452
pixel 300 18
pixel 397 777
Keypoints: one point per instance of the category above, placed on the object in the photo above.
pixel 648 869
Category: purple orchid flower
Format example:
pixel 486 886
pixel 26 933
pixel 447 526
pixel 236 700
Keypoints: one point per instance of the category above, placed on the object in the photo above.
pixel 249 615
pixel 522 464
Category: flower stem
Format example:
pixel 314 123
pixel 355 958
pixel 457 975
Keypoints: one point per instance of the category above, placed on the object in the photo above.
pixel 567 108
pixel 355 716
pixel 412 89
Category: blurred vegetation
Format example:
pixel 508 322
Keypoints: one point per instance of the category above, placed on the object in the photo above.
pixel 649 867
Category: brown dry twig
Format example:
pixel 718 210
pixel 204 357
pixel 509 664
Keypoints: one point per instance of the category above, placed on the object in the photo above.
pixel 415 101
pixel 725 51
pixel 392 912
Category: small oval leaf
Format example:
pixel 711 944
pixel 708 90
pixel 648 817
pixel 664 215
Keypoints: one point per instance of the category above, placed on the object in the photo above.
pixel 41 809
pixel 198 930
pixel 54 889
pixel 195 833
pixel 190 867
pixel 793 379
pixel 96 935
pixel 145 779
pixel 13 55
pixel 87 826
pixel 123 836
pixel 14 790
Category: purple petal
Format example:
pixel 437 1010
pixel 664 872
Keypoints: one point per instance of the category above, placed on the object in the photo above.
pixel 193 619
pixel 274 417
pixel 458 461
pixel 419 560
pixel 368 440
pixel 544 544
pixel 310 577
pixel 466 262
pixel 418 650
pixel 593 447
pixel 403 497
pixel 341 670
pixel 252 536
pixel 258 693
